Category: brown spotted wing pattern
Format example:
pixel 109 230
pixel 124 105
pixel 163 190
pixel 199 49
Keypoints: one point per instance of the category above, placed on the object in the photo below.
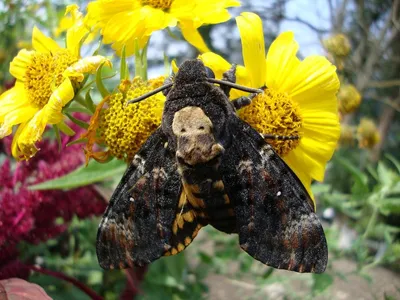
pixel 274 214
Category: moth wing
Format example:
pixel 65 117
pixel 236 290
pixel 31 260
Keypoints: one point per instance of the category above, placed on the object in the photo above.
pixel 275 215
pixel 137 225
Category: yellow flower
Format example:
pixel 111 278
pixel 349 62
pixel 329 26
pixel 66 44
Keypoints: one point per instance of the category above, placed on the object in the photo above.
pixel 46 78
pixel 368 134
pixel 349 98
pixel 123 127
pixel 300 98
pixel 124 21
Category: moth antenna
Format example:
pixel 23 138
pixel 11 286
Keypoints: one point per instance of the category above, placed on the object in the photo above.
pixel 151 93
pixel 235 86
pixel 280 137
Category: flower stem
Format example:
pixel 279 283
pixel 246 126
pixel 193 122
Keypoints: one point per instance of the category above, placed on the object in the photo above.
pixel 88 291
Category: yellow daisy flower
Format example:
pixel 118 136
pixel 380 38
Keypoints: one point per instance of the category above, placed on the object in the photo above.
pixel 367 133
pixel 124 21
pixel 46 79
pixel 300 98
pixel 122 127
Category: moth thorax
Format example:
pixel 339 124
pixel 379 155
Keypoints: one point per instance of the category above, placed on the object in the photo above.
pixel 195 139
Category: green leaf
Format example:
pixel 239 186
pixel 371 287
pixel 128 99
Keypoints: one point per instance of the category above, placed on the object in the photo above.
pixel 99 82
pixel 394 161
pixel 384 174
pixel 390 206
pixel 82 176
pixel 321 282
pixel 65 129
pixel 78 122
pixel 89 102
pixel 124 71
pixel 58 137
pixel 361 180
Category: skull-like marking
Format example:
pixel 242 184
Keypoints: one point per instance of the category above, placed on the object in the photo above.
pixel 195 139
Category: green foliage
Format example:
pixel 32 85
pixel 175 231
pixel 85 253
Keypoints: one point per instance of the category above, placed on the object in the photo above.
pixel 372 201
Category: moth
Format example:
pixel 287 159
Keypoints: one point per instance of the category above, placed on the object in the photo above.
pixel 205 166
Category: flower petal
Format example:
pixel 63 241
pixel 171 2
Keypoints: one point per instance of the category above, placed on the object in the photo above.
pixel 15 117
pixel 31 134
pixel 60 97
pixel 193 36
pixel 42 43
pixel 253 48
pixel 12 99
pixel 14 145
pixel 50 114
pixel 215 62
pixel 100 12
pixel 77 31
pixel 314 78
pixel 212 12
pixel 281 61
pixel 20 63
pixel 293 160
pixel 86 65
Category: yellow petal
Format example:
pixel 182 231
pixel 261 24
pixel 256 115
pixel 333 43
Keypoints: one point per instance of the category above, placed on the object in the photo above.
pixel 14 144
pixel 102 11
pixel 252 37
pixel 156 19
pixel 216 63
pixel 212 12
pixel 58 99
pixel 31 134
pixel 293 160
pixel 193 36
pixel 77 32
pixel 86 65
pixel 15 117
pixel 12 99
pixel 42 43
pixel 281 61
pixel 49 114
pixel 315 78
pixel 20 63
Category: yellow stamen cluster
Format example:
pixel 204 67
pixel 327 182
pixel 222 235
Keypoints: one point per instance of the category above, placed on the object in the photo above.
pixel 159 4
pixel 338 45
pixel 275 113
pixel 349 98
pixel 44 74
pixel 368 134
pixel 346 135
pixel 125 127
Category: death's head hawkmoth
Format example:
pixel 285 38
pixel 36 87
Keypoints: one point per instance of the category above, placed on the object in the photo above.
pixel 202 166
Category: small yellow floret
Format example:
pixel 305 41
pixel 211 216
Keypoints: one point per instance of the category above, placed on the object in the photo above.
pixel 160 4
pixel 277 114
pixel 123 127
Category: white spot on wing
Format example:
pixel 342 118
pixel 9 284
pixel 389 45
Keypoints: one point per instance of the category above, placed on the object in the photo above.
pixel 278 193
pixel 131 199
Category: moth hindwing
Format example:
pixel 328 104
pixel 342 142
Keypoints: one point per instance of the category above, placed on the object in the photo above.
pixel 206 166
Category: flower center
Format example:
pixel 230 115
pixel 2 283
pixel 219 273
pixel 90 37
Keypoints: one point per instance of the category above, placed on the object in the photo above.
pixel 124 128
pixel 44 73
pixel 160 4
pixel 277 114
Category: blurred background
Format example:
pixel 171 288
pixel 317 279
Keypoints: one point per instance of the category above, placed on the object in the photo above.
pixel 359 201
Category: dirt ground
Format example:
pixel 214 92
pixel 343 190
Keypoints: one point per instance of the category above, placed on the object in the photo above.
pixel 384 282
